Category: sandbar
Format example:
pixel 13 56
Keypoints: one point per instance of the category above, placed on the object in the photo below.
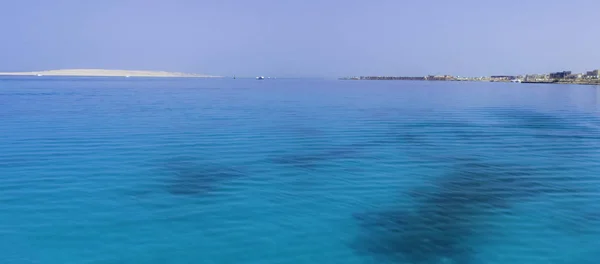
pixel 107 73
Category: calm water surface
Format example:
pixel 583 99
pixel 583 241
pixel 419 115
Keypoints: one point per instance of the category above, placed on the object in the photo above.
pixel 110 170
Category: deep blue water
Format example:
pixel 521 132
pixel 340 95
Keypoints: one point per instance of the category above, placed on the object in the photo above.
pixel 110 170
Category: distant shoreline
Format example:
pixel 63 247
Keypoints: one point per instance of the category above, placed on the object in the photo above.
pixel 453 79
pixel 107 73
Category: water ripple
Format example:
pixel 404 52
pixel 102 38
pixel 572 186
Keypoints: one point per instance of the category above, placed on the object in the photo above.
pixel 293 171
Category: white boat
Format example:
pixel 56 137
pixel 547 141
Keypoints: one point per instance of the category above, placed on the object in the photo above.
pixel 516 81
pixel 260 77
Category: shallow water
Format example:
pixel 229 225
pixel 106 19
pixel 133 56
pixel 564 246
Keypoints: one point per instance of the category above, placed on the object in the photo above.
pixel 110 170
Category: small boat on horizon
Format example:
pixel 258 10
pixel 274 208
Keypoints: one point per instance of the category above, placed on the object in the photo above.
pixel 260 77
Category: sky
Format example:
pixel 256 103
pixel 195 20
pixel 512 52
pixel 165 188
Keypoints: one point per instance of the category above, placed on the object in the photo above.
pixel 309 38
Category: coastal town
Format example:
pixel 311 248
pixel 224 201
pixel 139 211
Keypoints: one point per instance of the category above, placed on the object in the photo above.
pixel 564 77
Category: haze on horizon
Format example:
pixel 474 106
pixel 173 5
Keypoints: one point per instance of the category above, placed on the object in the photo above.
pixel 302 38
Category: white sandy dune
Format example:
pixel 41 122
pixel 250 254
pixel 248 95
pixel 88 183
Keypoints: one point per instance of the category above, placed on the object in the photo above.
pixel 107 73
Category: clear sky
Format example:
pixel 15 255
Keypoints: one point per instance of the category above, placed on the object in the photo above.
pixel 308 38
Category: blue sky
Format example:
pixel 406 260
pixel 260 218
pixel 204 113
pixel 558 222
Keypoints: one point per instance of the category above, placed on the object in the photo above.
pixel 307 38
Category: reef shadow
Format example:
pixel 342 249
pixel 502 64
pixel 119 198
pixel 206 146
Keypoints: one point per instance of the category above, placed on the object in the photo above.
pixel 442 221
pixel 189 177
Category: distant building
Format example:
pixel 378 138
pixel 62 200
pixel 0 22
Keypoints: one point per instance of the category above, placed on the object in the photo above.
pixel 530 77
pixel 502 77
pixel 560 75
pixel 535 77
pixel 439 77
pixel 593 74
pixel 575 76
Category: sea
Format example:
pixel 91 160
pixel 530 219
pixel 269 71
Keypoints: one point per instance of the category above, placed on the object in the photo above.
pixel 281 171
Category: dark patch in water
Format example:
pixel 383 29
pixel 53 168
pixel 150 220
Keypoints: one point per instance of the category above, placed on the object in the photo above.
pixel 540 121
pixel 450 214
pixel 567 135
pixel 427 237
pixel 192 178
pixel 197 181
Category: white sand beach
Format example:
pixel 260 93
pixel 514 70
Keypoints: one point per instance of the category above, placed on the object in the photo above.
pixel 107 73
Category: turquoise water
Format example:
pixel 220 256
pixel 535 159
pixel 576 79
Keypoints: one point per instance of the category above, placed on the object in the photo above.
pixel 110 170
